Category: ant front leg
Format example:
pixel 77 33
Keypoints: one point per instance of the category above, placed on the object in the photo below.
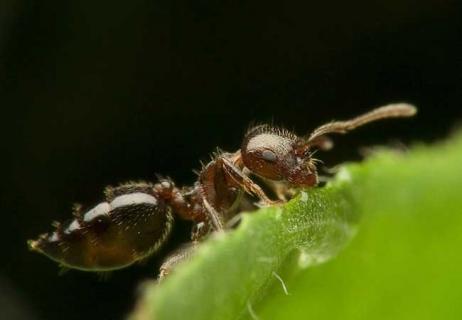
pixel 243 181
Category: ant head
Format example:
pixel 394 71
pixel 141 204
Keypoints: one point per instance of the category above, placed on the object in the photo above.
pixel 278 154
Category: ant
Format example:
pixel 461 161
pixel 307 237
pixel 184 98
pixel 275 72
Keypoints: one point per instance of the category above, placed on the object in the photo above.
pixel 136 218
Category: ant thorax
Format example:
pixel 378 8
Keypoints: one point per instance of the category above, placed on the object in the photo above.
pixel 135 219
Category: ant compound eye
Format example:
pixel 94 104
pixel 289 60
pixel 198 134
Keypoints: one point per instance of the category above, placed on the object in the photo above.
pixel 269 156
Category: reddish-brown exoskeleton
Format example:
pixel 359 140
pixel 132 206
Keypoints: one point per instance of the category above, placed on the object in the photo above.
pixel 135 219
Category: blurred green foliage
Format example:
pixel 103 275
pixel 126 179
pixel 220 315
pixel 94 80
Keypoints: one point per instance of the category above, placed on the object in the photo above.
pixel 404 261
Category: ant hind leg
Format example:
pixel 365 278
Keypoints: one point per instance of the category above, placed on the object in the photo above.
pixel 184 253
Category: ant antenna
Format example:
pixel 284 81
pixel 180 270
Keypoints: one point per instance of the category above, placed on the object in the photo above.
pixel 396 110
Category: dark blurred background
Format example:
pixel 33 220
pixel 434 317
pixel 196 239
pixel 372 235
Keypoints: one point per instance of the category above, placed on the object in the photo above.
pixel 95 93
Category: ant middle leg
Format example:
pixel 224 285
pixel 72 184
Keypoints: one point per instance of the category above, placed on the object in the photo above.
pixel 214 215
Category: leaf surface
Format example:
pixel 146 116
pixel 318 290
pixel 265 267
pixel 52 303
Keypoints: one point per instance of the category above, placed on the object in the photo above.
pixel 404 262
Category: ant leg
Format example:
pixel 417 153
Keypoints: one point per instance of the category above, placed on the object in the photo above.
pixel 199 230
pixel 182 254
pixel 242 180
pixel 213 215
pixel 215 181
pixel 281 189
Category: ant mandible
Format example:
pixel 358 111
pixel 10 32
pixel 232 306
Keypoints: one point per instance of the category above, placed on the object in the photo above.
pixel 136 218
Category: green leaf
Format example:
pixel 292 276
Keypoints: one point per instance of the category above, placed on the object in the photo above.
pixel 405 261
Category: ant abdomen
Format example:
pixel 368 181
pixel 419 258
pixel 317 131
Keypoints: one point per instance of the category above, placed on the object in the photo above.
pixel 130 225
